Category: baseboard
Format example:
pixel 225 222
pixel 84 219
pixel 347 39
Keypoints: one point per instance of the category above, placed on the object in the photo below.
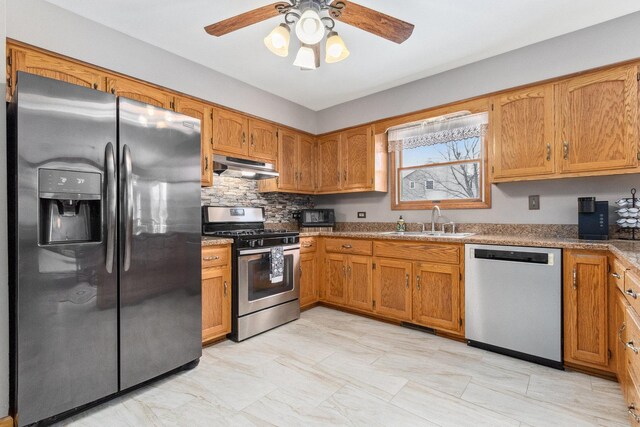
pixel 6 422
pixel 309 306
pixel 607 375
pixel 359 313
pixel 210 342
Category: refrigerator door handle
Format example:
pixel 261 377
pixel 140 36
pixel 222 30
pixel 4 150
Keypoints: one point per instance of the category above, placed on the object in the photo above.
pixel 128 206
pixel 112 194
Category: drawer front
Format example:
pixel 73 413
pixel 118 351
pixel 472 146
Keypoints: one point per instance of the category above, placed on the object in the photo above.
pixel 617 274
pixel 349 246
pixel 633 400
pixel 632 290
pixel 428 252
pixel 631 338
pixel 308 244
pixel 215 256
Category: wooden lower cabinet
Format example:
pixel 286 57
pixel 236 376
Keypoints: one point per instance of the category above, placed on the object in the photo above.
pixel 308 279
pixel 359 284
pixel 216 301
pixel 335 276
pixel 436 296
pixel 585 309
pixel 392 288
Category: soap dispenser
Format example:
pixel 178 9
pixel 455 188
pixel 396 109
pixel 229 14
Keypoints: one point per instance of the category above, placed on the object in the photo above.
pixel 401 225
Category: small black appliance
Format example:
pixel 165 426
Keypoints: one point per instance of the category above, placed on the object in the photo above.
pixel 317 218
pixel 593 219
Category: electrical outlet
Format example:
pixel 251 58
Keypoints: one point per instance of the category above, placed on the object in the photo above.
pixel 362 214
pixel 534 203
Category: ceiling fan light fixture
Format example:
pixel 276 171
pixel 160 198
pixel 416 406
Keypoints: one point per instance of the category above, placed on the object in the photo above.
pixel 306 58
pixel 278 40
pixel 309 28
pixel 336 50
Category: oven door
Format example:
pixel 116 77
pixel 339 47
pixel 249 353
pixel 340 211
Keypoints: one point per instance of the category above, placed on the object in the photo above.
pixel 255 289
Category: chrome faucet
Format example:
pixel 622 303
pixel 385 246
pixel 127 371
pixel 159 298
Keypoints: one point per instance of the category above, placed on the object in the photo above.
pixel 436 209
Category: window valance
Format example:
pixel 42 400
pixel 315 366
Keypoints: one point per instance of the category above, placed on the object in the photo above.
pixel 440 130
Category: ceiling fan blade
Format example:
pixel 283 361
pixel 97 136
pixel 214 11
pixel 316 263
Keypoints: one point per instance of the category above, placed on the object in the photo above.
pixel 244 20
pixel 374 22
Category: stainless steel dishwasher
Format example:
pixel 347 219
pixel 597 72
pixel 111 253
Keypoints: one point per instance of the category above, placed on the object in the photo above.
pixel 513 301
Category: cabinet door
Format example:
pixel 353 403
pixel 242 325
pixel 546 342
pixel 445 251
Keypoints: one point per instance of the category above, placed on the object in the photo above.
pixel 523 133
pixel 392 281
pixel 357 158
pixel 54 68
pixel 585 308
pixel 288 160
pixel 335 277
pixel 308 288
pixel 204 113
pixel 216 303
pixel 230 133
pixel 329 159
pixel 131 89
pixel 359 283
pixel 263 142
pixel 597 120
pixel 436 296
pixel 307 164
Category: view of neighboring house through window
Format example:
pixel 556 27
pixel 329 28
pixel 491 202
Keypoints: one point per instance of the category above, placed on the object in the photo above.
pixel 440 161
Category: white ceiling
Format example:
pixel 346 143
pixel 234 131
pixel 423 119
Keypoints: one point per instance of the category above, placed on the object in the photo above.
pixel 448 34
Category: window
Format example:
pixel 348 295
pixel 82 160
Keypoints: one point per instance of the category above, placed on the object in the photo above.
pixel 446 154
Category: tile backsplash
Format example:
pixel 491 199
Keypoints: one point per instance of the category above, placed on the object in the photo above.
pixel 279 207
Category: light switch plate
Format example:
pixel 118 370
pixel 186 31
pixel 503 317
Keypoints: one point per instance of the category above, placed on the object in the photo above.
pixel 362 214
pixel 534 203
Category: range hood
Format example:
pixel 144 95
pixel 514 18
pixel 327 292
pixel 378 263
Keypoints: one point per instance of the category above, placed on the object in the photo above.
pixel 241 168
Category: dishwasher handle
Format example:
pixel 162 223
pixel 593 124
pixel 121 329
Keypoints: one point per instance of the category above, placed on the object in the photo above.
pixel 513 256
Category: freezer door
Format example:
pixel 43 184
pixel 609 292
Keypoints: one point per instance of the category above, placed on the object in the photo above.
pixel 62 282
pixel 160 241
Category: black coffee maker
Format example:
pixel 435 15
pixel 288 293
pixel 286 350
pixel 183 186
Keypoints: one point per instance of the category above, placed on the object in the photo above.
pixel 593 219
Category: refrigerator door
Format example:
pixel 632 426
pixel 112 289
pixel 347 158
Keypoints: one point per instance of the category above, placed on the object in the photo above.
pixel 160 241
pixel 64 340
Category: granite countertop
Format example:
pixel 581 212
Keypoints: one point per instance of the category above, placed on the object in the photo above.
pixel 628 251
pixel 215 241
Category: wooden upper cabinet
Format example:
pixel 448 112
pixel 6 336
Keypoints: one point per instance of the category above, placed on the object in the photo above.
pixel 392 282
pixel 357 158
pixel 329 162
pixel 263 141
pixel 359 282
pixel 230 133
pixel 585 308
pixel 132 89
pixel 523 132
pixel 436 296
pixel 288 148
pixel 204 113
pixel 597 120
pixel 53 67
pixel 307 164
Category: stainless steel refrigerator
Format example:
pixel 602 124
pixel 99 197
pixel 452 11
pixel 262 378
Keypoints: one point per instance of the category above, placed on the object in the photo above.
pixel 104 211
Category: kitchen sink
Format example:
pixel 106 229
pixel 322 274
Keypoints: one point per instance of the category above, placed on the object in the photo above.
pixel 428 234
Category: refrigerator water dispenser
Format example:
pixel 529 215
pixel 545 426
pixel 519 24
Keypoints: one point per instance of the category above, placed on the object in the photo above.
pixel 70 206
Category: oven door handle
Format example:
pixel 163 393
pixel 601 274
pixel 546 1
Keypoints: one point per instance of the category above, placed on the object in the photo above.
pixel 266 250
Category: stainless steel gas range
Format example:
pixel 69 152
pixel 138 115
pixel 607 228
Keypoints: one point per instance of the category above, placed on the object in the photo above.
pixel 266 269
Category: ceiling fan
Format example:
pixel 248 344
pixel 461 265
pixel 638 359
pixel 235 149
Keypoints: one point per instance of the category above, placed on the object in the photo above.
pixel 313 19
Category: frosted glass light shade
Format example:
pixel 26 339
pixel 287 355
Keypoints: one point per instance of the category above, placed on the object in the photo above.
pixel 278 40
pixel 310 29
pixel 305 58
pixel 336 50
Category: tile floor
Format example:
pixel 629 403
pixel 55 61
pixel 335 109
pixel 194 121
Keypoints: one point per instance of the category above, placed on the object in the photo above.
pixel 333 368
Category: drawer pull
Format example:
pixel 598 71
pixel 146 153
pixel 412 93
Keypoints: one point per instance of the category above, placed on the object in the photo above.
pixel 631 347
pixel 211 258
pixel 418 282
pixel 407 281
pixel 631 293
pixel 347 246
pixel 225 288
pixel 631 409
pixel 307 245
pixel 616 276
pixel 575 278
pixel 620 331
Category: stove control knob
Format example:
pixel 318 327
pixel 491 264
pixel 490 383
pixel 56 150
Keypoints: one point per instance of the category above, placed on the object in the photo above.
pixel 261 242
pixel 285 240
pixel 252 243
pixel 292 239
